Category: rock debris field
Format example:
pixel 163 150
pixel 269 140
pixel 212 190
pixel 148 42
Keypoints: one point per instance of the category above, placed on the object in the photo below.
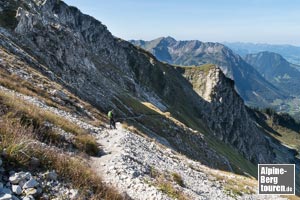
pixel 136 165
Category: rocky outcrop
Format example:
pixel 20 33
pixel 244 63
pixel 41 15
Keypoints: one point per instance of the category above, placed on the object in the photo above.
pixel 226 112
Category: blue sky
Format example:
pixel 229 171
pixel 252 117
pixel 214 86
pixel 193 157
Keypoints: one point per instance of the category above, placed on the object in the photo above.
pixel 258 21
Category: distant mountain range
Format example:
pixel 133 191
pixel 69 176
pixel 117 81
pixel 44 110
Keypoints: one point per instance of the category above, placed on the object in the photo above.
pixel 289 52
pixel 276 70
pixel 252 87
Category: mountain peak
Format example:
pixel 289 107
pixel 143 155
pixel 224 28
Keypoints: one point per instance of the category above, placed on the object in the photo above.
pixel 272 54
pixel 196 53
pixel 273 59
pixel 170 39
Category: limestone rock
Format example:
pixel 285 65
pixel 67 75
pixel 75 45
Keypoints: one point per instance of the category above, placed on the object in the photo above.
pixel 74 194
pixel 16 189
pixel 30 184
pixel 15 178
pixel 4 196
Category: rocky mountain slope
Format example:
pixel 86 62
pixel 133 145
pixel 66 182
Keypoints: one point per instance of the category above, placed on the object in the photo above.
pixel 68 71
pixel 252 87
pixel 78 52
pixel 276 70
pixel 212 85
pixel 283 75
pixel 129 162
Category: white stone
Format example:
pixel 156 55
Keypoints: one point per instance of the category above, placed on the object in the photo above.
pixel 17 177
pixel 27 175
pixel 16 189
pixel 6 197
pixel 30 184
pixel 74 194
pixel 28 198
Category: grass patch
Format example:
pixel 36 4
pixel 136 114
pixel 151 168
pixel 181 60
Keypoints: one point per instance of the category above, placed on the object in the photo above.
pixel 40 86
pixel 205 68
pixel 153 172
pixel 136 107
pixel 168 188
pixel 38 115
pixel 15 140
pixel 239 164
pixel 237 188
pixel 234 185
pixel 87 144
pixel 30 115
pixel 16 83
pixel 164 182
pixel 19 146
pixel 178 179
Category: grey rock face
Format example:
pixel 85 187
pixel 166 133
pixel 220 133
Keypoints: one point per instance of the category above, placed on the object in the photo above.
pixel 79 52
pixel 227 114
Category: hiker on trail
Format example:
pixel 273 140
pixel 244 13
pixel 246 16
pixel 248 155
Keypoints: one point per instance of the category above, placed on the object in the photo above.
pixel 112 123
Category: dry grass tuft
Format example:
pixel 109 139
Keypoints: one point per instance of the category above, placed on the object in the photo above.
pixel 178 179
pixel 87 144
pixel 164 182
pixel 31 115
pixel 168 188
pixel 19 146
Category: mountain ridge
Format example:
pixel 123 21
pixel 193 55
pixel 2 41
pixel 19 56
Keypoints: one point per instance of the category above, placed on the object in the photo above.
pixel 151 98
pixel 289 52
pixel 277 70
pixel 253 88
